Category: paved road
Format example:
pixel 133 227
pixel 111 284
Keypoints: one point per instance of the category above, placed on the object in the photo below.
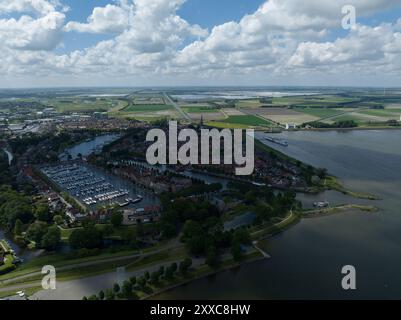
pixel 173 245
pixel 77 289
pixel 177 107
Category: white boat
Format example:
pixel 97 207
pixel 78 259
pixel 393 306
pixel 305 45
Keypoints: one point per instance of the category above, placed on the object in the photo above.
pixel 321 204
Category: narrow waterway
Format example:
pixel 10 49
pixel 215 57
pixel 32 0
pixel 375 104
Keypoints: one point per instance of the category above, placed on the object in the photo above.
pixel 9 156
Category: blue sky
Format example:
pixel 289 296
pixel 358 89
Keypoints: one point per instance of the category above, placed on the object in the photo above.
pixel 199 42
pixel 206 13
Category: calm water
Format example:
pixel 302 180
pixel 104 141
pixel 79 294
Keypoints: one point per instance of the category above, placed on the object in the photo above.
pixel 88 147
pixel 307 259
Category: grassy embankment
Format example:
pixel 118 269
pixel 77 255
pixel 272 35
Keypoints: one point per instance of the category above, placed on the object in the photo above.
pixel 337 209
pixel 8 262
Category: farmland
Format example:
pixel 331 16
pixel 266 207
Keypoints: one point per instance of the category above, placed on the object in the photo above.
pixel 248 120
pixel 147 108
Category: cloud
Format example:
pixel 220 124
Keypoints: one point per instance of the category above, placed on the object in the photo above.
pixel 109 19
pixel 40 31
pixel 41 7
pixel 280 40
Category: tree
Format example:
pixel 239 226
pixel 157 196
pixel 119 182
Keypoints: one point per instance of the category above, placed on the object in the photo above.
pixel 116 288
pixel 36 231
pixel 142 282
pixel 116 219
pixel 101 295
pixel 191 229
pixel 161 270
pixel 127 289
pixel 321 173
pixel 196 244
pixel 154 277
pixel 174 267
pixel 110 295
pixel 18 227
pixel 169 273
pixel 88 237
pixel 147 275
pixel 211 256
pixel 236 250
pixel 242 236
pixel 185 265
pixel 42 212
pixel 58 220
pixel 51 239
pixel 133 280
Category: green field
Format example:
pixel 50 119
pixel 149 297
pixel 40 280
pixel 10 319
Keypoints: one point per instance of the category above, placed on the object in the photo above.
pixel 386 113
pixel 199 109
pixel 147 108
pixel 319 112
pixel 83 105
pixel 248 120
pixel 348 117
pixel 313 101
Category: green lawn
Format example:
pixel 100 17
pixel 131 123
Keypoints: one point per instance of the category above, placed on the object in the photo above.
pixel 248 120
pixel 147 108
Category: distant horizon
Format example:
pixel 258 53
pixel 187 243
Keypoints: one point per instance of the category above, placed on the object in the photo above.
pixel 200 87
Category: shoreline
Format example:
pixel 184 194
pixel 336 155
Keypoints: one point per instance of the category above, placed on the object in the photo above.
pixel 208 274
pixel 325 212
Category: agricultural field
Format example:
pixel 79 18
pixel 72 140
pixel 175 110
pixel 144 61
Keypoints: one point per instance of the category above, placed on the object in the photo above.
pixel 314 101
pixel 248 120
pixel 385 113
pixel 284 115
pixel 199 109
pixel 321 112
pixel 208 116
pixel 83 104
pixel 147 108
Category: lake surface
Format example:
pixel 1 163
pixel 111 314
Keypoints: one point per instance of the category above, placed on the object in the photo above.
pixel 88 147
pixel 307 259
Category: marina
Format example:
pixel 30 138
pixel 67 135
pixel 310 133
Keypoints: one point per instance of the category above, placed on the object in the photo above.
pixel 94 188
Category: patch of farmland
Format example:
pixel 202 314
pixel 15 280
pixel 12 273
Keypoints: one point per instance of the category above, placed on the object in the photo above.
pixel 249 120
pixel 284 115
pixel 385 113
pixel 254 103
pixel 209 116
pixel 232 112
pixel 358 117
pixel 393 106
pixel 321 112
pixel 147 108
pixel 197 109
